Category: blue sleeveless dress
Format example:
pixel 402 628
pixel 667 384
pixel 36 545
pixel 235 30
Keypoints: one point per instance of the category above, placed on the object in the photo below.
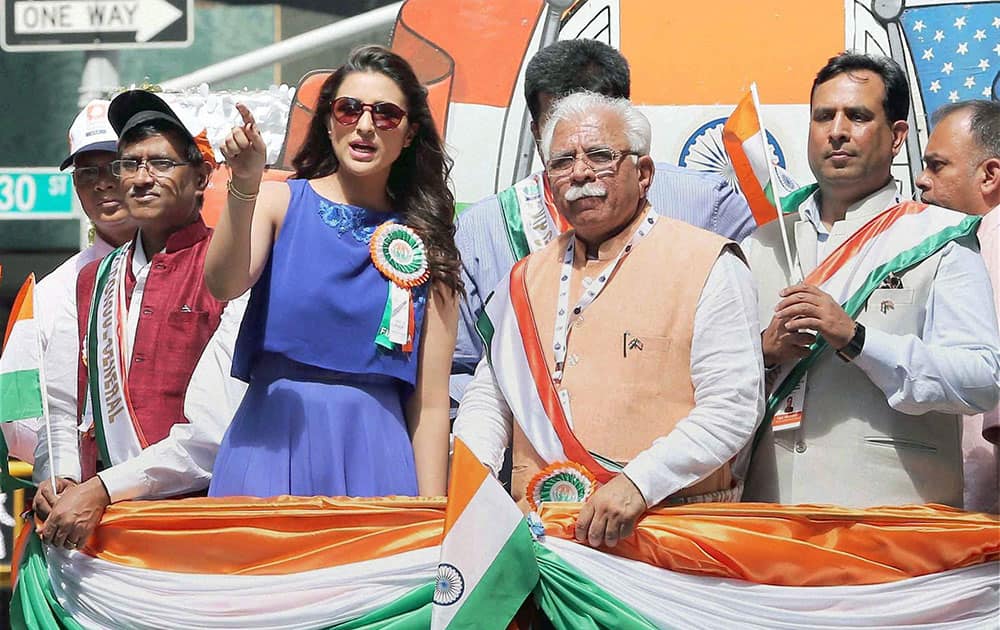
pixel 323 414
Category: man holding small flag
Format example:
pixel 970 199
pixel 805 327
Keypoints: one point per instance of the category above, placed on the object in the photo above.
pixel 901 302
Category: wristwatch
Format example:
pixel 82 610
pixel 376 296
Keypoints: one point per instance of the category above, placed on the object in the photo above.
pixel 853 348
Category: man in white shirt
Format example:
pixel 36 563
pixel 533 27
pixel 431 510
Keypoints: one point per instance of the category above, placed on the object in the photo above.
pixel 962 172
pixel 627 349
pixel 92 146
pixel 158 345
pixel 877 420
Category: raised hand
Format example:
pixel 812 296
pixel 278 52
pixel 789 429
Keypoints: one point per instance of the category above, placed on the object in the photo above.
pixel 245 153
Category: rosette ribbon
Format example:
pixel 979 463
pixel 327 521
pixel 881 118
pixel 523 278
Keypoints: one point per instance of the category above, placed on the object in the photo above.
pixel 399 254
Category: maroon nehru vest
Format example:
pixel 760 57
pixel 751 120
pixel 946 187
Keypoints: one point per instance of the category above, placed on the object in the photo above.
pixel 177 319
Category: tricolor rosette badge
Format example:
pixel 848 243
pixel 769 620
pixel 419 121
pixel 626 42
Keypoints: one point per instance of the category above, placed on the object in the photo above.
pixel 399 254
pixel 561 482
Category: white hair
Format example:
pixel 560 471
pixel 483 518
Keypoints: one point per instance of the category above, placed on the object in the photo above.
pixel 637 129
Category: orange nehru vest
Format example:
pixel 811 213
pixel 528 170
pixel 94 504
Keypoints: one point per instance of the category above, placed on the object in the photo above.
pixel 628 367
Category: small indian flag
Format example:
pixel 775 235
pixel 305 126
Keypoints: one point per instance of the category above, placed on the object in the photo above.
pixel 488 564
pixel 745 140
pixel 20 374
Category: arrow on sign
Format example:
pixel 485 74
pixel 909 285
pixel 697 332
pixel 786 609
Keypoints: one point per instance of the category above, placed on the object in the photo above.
pixel 145 17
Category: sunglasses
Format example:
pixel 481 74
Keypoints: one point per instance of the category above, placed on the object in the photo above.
pixel 347 110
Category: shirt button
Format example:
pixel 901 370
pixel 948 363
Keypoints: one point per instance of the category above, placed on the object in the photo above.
pixel 579 321
pixel 588 281
pixel 800 447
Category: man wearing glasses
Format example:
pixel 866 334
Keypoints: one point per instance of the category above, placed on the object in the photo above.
pixel 627 349
pixel 92 145
pixel 157 347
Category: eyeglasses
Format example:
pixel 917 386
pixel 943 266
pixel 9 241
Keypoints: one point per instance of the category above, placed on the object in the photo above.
pixel 596 159
pixel 157 167
pixel 347 110
pixel 87 175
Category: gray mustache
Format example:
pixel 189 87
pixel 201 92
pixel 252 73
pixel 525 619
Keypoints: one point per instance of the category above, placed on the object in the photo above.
pixel 590 189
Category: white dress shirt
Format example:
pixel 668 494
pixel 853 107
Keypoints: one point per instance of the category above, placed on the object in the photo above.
pixel 55 300
pixel 727 374
pixel 952 367
pixel 181 462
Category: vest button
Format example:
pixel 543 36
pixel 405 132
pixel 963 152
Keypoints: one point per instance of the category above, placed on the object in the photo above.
pixel 147 311
pixel 800 447
pixel 139 358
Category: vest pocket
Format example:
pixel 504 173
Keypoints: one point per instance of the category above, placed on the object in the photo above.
pixel 892 442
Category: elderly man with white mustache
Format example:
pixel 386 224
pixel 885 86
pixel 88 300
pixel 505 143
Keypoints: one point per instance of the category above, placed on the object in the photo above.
pixel 627 349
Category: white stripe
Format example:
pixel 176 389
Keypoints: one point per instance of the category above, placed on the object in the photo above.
pixel 907 232
pixel 475 540
pixel 21 352
pixel 101 594
pixel 515 381
pixel 758 161
pixel 962 598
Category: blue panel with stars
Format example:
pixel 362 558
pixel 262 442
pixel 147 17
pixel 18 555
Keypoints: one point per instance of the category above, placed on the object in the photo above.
pixel 955 50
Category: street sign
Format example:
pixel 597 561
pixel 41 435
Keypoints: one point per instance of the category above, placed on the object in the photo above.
pixel 44 25
pixel 36 193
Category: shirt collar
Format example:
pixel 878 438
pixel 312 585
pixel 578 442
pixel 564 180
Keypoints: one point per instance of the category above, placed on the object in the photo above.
pixel 613 246
pixel 862 209
pixel 186 237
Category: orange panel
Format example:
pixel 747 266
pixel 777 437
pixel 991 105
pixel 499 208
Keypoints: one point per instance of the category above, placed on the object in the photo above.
pixel 709 51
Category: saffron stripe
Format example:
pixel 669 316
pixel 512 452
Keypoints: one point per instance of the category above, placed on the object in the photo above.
pixel 24 306
pixel 543 378
pixel 461 488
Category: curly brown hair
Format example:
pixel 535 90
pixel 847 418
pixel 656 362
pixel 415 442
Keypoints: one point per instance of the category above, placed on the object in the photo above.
pixel 418 179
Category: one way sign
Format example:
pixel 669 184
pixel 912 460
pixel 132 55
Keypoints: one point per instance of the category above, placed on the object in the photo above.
pixel 41 25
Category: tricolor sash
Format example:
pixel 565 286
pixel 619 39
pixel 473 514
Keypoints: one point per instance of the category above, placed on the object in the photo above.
pixel 507 327
pixel 892 242
pixel 119 436
pixel 530 219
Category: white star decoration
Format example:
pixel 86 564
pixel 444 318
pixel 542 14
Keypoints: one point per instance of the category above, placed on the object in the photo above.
pixel 984 64
pixel 959 22
pixel 953 96
pixel 996 49
pixel 962 49
pixel 996 22
pixel 986 92
pixel 935 86
pixel 938 36
pixel 918 26
pixel 948 68
pixel 980 35
pixel 970 82
pixel 929 53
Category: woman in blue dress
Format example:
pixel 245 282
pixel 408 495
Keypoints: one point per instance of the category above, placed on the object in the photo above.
pixel 347 339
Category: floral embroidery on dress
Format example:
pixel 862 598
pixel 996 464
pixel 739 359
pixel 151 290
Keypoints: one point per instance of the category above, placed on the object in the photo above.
pixel 345 218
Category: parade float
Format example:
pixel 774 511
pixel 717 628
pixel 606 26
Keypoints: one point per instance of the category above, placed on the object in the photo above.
pixel 473 560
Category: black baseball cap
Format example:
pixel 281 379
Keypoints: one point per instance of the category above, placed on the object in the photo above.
pixel 132 108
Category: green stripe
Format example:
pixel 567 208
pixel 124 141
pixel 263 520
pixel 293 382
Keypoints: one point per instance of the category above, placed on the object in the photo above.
pixel 512 223
pixel 856 302
pixel 33 603
pixel 20 395
pixel 93 357
pixel 571 600
pixel 504 586
pixel 484 326
pixel 410 612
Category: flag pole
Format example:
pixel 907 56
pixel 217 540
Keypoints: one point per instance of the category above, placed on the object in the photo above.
pixel 45 396
pixel 794 271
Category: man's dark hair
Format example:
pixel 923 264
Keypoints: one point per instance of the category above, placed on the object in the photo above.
pixel 984 123
pixel 896 101
pixel 192 153
pixel 575 65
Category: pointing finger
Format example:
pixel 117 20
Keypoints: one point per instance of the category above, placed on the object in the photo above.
pixel 245 114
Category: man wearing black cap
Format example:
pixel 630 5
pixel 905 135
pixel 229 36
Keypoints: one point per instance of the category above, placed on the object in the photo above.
pixel 158 346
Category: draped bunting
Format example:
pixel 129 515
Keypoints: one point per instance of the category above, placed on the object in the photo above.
pixel 341 563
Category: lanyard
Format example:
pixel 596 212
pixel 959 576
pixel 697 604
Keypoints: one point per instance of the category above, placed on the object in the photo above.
pixel 561 335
